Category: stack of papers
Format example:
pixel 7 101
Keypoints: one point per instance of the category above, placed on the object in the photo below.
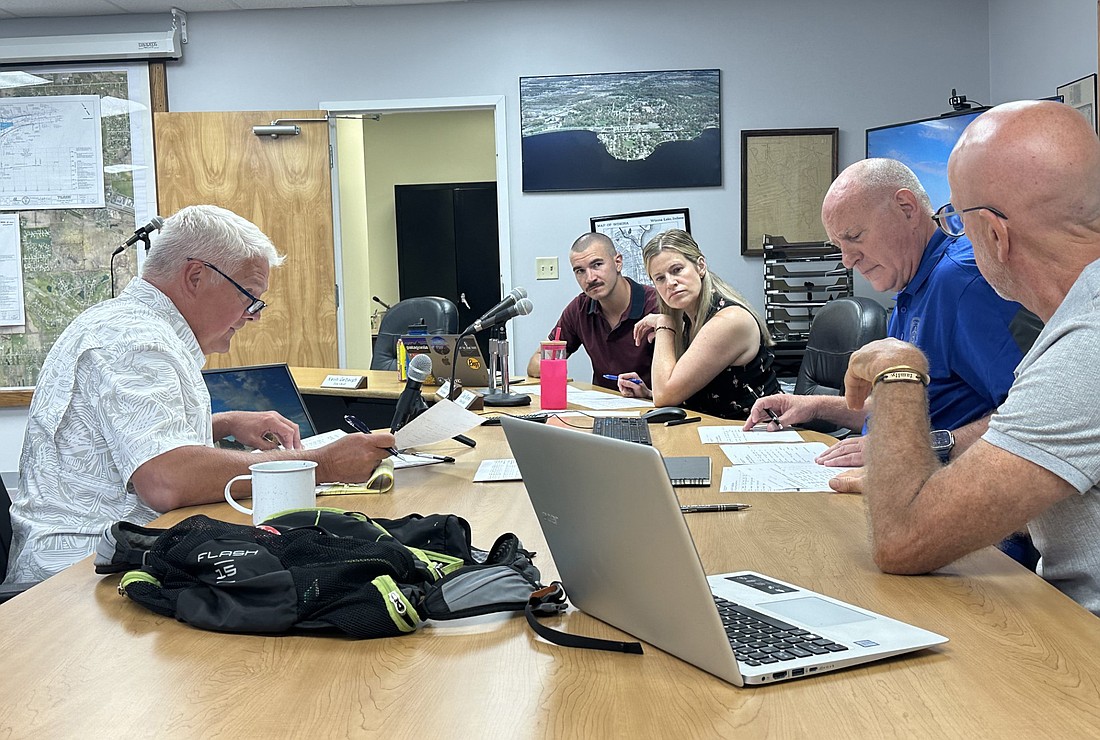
pixel 769 461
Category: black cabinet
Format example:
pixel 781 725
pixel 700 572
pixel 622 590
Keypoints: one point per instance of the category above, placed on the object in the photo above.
pixel 448 244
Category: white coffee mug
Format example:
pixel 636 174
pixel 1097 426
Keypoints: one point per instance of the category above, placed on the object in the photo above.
pixel 277 486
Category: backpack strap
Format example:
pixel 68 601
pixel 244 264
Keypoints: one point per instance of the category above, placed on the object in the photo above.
pixel 551 600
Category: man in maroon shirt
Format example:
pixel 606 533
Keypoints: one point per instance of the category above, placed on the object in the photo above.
pixel 602 318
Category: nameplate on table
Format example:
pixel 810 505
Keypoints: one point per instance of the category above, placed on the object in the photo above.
pixel 347 382
pixel 465 398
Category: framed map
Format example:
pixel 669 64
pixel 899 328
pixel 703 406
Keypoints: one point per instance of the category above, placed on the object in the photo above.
pixel 785 174
pixel 1081 95
pixel 85 131
pixel 631 231
pixel 621 130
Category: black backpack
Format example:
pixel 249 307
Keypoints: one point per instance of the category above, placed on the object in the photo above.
pixel 327 570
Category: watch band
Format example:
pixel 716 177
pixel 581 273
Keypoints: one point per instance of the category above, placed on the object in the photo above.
pixel 901 374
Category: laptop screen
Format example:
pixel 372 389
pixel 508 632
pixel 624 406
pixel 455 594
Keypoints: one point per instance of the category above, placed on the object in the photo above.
pixel 258 388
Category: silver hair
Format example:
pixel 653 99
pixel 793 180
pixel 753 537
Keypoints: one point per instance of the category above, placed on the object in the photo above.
pixel 211 234
pixel 879 173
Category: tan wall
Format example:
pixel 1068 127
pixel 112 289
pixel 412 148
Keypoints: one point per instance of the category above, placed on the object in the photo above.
pixel 404 149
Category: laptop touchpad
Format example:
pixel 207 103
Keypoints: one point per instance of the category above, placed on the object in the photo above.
pixel 815 612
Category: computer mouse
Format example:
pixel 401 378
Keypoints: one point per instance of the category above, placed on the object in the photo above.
pixel 663 414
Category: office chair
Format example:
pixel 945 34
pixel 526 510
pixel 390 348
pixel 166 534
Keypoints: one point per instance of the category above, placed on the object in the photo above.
pixel 12 589
pixel 842 326
pixel 438 314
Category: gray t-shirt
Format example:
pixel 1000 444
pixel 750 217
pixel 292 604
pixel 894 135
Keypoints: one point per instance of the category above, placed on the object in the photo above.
pixel 1052 418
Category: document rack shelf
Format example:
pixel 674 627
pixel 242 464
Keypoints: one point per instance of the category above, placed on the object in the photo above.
pixel 799 278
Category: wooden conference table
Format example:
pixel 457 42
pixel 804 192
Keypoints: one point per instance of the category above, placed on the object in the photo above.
pixel 79 660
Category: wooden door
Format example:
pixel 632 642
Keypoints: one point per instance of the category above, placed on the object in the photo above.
pixel 283 186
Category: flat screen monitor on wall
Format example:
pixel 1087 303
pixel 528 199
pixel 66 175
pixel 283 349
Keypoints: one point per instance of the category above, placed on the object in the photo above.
pixel 924 147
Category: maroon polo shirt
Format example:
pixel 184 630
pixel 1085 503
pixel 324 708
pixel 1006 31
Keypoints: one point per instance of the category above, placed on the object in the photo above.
pixel 612 351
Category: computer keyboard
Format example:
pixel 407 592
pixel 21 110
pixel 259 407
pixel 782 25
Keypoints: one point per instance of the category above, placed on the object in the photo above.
pixel 758 639
pixel 628 428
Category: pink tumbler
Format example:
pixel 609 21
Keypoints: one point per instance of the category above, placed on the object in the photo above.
pixel 553 372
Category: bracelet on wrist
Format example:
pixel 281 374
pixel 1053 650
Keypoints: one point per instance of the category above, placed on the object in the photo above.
pixel 666 328
pixel 901 374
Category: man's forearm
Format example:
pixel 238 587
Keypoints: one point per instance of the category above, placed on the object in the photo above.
pixel 899 462
pixel 968 435
pixel 834 410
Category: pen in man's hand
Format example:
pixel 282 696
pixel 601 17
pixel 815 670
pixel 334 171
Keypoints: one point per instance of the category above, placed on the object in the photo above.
pixel 686 420
pixel 700 508
pixel 359 426
pixel 771 413
pixel 635 381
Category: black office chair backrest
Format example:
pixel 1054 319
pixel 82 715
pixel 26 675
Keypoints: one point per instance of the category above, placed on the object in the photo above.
pixel 5 528
pixel 438 314
pixel 842 326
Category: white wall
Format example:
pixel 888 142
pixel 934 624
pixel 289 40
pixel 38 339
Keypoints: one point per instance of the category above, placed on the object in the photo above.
pixel 785 64
pixel 1031 59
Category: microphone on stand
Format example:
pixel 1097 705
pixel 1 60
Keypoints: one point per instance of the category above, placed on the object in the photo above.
pixel 380 302
pixel 408 403
pixel 521 307
pixel 516 295
pixel 142 233
pixel 499 351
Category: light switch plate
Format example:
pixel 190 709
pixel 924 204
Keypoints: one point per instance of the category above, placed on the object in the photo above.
pixel 546 268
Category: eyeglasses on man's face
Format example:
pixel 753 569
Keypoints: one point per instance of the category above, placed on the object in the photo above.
pixel 950 220
pixel 255 305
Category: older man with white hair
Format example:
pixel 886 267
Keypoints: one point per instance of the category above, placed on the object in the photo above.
pixel 120 426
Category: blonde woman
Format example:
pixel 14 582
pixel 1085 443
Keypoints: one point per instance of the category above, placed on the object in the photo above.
pixel 710 348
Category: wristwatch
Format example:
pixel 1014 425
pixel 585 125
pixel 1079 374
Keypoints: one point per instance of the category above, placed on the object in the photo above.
pixel 943 441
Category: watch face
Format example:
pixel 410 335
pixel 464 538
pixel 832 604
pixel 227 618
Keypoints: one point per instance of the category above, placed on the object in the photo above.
pixel 942 439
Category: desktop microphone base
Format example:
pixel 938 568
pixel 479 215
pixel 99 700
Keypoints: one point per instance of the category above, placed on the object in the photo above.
pixel 506 399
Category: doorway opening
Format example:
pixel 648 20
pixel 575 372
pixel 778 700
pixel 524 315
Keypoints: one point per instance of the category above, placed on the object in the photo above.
pixel 371 157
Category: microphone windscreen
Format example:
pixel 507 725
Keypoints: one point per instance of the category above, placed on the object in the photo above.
pixel 519 292
pixel 420 367
pixel 156 222
pixel 524 307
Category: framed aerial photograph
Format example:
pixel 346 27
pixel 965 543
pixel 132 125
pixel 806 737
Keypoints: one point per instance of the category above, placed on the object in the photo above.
pixel 785 174
pixel 631 231
pixel 1081 95
pixel 621 130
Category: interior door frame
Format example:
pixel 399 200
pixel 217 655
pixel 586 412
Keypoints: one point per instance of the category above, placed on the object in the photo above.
pixel 496 103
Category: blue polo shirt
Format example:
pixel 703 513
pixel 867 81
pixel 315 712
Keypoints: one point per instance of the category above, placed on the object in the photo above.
pixel 972 337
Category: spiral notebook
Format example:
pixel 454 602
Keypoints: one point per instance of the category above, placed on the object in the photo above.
pixel 692 470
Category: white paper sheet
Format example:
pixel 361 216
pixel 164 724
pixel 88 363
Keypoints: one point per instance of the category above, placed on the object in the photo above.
pixel 735 435
pixel 443 420
pixel 778 478
pixel 747 454
pixel 493 470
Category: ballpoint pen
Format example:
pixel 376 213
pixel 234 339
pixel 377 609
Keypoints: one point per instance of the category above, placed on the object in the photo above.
pixel 635 381
pixel 771 413
pixel 700 508
pixel 686 420
pixel 359 426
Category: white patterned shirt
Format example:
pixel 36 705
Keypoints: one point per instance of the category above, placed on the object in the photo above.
pixel 121 385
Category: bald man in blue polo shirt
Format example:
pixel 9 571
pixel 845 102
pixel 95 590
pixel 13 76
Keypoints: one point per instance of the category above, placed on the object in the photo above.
pixel 602 317
pixel 880 217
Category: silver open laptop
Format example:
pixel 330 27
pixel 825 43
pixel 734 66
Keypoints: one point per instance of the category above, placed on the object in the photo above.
pixel 626 557
pixel 470 367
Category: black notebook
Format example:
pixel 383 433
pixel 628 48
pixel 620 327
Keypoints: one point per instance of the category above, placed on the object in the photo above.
pixel 688 471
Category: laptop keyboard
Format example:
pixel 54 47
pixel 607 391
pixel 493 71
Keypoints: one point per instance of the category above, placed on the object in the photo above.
pixel 627 428
pixel 758 639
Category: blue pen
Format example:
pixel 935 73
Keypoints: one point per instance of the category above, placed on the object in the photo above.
pixel 635 381
pixel 359 426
